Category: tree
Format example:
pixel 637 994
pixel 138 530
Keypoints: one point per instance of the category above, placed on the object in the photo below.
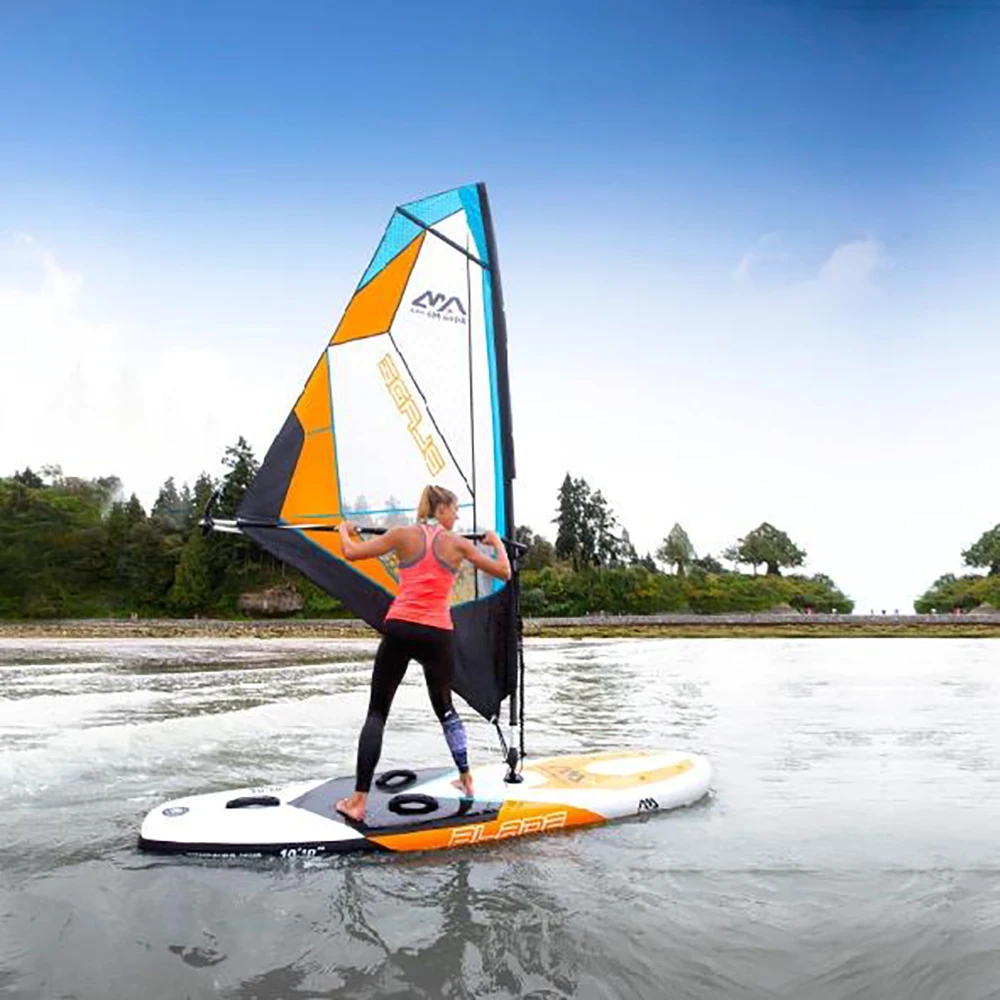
pixel 192 585
pixel 587 528
pixel 569 520
pixel 168 511
pixel 29 479
pixel 985 552
pixel 540 552
pixel 677 550
pixel 122 519
pixel 185 507
pixel 601 525
pixel 768 545
pixel 648 563
pixel 242 465
pixel 627 552
pixel 204 487
pixel 733 555
pixel 709 564
pixel 393 515
pixel 234 553
pixel 358 511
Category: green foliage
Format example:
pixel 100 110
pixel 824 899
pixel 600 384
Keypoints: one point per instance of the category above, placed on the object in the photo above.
pixel 53 554
pixel 587 528
pixel 708 564
pixel 29 479
pixel 559 591
pixel 72 547
pixel 950 593
pixel 541 552
pixel 677 550
pixel 192 586
pixel 985 552
pixel 569 521
pixel 766 545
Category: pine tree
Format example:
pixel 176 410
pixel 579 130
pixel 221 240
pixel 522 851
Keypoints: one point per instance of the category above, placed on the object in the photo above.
pixel 568 521
pixel 231 554
pixel 242 465
pixel 192 585
pixel 167 509
pixel 204 487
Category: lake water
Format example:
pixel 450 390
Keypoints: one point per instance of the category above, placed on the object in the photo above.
pixel 850 846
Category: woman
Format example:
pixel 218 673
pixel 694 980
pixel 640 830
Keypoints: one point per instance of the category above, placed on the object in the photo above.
pixel 418 627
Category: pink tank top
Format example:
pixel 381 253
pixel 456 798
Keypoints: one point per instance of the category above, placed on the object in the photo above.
pixel 425 586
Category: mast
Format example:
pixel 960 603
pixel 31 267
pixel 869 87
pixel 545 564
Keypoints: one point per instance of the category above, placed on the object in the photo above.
pixel 515 651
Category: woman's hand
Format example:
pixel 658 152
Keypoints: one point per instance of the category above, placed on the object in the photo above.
pixel 492 538
pixel 371 549
pixel 499 566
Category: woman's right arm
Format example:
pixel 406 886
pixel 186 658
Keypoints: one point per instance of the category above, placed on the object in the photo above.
pixel 499 566
pixel 370 549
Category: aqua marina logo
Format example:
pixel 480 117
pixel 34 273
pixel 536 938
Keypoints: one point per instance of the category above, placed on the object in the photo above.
pixel 437 305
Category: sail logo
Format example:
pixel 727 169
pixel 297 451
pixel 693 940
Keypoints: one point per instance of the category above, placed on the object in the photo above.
pixel 480 833
pixel 407 406
pixel 438 306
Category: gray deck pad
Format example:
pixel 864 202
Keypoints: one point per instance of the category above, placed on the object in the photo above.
pixel 323 799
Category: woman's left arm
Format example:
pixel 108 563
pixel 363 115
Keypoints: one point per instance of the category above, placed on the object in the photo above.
pixel 377 546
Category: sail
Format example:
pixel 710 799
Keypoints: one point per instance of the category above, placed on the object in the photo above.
pixel 410 389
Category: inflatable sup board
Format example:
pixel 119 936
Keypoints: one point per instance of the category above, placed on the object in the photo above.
pixel 423 811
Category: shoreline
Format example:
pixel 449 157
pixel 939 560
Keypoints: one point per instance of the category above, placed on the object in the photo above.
pixel 593 627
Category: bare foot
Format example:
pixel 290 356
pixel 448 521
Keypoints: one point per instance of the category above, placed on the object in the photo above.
pixel 353 807
pixel 464 782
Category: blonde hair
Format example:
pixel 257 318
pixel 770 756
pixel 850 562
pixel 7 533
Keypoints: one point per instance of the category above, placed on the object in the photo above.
pixel 432 498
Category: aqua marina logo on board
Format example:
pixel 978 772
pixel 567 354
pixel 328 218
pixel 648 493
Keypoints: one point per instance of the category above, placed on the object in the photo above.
pixel 437 305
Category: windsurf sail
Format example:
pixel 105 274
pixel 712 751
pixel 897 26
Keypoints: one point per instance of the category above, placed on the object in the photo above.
pixel 410 389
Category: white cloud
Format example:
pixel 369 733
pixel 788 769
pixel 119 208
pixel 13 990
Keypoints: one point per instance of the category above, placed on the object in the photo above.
pixel 768 250
pixel 852 267
pixel 97 397
pixel 849 272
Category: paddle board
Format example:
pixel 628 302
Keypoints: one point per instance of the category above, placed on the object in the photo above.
pixel 421 810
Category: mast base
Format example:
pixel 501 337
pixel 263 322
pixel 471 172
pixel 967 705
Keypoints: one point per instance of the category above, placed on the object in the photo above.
pixel 513 759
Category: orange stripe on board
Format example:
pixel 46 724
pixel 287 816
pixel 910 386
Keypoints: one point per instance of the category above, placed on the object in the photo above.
pixel 371 310
pixel 516 819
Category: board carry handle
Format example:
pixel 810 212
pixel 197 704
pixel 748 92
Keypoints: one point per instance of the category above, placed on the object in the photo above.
pixel 253 800
pixel 392 781
pixel 412 804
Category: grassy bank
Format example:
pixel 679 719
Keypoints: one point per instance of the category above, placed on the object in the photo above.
pixel 635 626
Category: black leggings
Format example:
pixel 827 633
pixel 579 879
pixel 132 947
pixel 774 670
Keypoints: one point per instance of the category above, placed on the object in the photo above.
pixel 433 649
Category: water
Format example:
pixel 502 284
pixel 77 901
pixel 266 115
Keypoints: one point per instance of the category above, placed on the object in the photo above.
pixel 849 847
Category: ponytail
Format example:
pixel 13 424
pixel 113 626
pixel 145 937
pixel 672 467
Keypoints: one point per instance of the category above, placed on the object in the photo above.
pixel 432 498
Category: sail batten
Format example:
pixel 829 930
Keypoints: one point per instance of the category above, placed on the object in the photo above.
pixel 410 389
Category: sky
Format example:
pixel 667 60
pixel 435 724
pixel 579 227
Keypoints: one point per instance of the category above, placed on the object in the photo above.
pixel 749 249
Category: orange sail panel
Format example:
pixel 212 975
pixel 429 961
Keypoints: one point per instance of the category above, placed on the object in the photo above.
pixel 313 488
pixel 371 310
